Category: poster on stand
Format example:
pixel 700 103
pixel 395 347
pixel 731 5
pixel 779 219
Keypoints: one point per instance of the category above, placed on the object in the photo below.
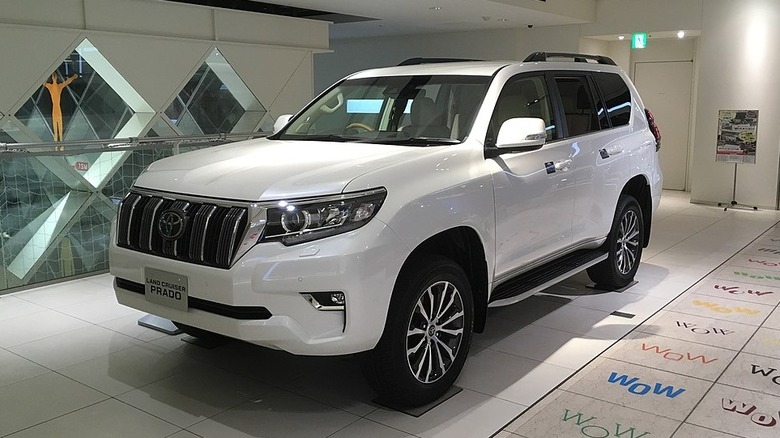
pixel 737 134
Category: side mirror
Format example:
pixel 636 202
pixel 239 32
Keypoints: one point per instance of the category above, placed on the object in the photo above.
pixel 522 133
pixel 281 122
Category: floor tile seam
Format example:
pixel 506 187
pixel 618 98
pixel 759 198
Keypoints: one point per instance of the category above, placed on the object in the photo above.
pixel 62 370
pixel 754 391
pixel 350 424
pixel 29 360
pixel 711 225
pixel 145 341
pixel 279 387
pixel 511 434
pixel 688 340
pixel 577 336
pixel 374 406
pixel 719 319
pixel 375 422
pixel 57 417
pixel 660 369
pixel 705 427
pixel 150 414
pixel 130 338
pixel 537 361
pixel 21 294
pixel 608 312
pixel 43 309
pixel 477 391
pixel 709 319
pixel 622 406
pixel 740 280
pixel 737 300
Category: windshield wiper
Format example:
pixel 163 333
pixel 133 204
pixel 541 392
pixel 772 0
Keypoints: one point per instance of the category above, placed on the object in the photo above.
pixel 418 141
pixel 324 137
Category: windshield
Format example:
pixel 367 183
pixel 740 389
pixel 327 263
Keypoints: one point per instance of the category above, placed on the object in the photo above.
pixel 411 110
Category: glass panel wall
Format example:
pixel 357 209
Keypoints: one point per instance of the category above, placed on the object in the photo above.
pixel 57 200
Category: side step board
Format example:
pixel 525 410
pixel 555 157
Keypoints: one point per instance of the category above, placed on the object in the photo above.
pixel 528 283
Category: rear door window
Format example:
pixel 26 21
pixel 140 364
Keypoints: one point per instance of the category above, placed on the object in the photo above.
pixel 617 97
pixel 579 108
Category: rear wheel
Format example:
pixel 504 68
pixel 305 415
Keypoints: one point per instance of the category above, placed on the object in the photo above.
pixel 624 245
pixel 427 335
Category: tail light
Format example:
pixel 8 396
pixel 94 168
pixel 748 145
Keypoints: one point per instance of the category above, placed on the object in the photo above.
pixel 654 129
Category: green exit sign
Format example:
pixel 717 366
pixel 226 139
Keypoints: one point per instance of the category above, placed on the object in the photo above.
pixel 639 40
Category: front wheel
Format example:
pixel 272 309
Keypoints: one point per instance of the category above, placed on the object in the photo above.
pixel 624 244
pixel 427 335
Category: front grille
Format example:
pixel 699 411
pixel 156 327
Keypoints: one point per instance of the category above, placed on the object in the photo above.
pixel 211 237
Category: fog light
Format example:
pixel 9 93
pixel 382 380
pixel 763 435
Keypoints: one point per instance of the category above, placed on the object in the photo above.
pixel 326 300
pixel 337 298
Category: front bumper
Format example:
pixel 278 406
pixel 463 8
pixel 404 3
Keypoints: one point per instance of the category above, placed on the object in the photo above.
pixel 363 264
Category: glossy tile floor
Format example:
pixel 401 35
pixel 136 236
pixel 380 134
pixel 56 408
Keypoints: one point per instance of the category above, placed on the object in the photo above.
pixel 74 363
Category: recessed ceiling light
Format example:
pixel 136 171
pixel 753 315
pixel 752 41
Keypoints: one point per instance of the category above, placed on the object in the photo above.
pixel 435 8
pixel 681 34
pixel 503 19
pixel 621 37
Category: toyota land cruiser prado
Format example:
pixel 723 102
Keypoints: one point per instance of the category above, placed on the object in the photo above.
pixel 394 209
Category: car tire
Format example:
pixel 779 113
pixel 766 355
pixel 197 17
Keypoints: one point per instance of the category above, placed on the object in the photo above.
pixel 419 356
pixel 624 245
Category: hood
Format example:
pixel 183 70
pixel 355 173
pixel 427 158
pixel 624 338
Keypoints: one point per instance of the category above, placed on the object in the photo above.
pixel 263 170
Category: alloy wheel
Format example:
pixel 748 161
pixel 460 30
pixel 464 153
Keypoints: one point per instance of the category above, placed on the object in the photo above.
pixel 628 242
pixel 435 332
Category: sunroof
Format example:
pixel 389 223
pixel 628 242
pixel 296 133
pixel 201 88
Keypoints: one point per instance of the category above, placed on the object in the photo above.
pixel 274 9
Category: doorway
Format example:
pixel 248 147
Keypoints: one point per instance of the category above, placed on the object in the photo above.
pixel 666 89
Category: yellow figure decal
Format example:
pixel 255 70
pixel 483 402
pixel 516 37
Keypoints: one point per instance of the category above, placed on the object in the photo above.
pixel 55 90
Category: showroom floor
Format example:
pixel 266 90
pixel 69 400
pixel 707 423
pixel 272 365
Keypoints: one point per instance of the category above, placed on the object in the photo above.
pixel 73 363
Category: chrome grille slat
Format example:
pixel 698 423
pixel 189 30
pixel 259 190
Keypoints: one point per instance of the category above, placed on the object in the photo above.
pixel 202 219
pixel 125 215
pixel 147 223
pixel 227 234
pixel 212 234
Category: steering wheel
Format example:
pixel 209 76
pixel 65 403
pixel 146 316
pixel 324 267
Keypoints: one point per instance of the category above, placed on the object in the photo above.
pixel 358 125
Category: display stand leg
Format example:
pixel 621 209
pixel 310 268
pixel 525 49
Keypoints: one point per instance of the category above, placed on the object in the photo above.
pixel 734 203
pixel 155 322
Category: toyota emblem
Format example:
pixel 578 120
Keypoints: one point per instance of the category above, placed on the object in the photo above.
pixel 171 224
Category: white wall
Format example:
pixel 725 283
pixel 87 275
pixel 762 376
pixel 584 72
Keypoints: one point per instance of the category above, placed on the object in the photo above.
pixel 664 50
pixel 351 55
pixel 157 46
pixel 614 17
pixel 738 65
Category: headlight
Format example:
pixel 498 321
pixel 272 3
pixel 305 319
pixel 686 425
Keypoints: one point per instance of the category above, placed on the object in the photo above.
pixel 294 222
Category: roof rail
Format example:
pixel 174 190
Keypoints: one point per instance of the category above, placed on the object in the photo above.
pixel 418 61
pixel 576 57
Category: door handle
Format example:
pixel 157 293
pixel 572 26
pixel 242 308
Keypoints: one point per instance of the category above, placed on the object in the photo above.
pixel 615 149
pixel 562 165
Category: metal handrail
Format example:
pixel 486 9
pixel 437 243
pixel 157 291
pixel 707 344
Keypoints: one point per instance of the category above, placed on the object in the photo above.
pixel 56 147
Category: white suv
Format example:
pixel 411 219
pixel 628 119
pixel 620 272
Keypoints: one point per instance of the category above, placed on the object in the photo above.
pixel 394 209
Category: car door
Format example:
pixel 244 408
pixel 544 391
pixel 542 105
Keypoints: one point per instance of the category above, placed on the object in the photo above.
pixel 533 191
pixel 600 162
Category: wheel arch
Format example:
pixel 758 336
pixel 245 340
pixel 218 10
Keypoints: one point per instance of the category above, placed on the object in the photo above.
pixel 464 246
pixel 639 188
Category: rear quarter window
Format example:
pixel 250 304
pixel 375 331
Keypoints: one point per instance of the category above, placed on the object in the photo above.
pixel 617 97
